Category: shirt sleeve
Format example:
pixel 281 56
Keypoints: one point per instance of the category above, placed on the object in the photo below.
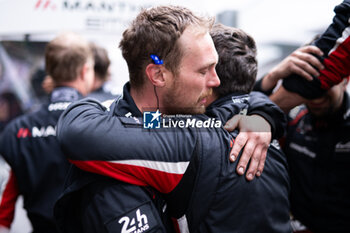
pixel 258 87
pixel 118 147
pixel 260 104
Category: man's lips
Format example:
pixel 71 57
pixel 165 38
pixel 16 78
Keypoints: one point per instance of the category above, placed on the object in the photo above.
pixel 318 104
pixel 203 100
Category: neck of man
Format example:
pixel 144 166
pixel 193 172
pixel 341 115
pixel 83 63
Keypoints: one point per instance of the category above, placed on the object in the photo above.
pixel 98 82
pixel 144 98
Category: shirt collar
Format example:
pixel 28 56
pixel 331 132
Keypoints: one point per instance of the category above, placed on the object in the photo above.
pixel 65 94
pixel 126 105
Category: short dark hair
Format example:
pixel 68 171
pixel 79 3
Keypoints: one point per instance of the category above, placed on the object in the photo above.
pixel 156 31
pixel 65 56
pixel 102 61
pixel 237 66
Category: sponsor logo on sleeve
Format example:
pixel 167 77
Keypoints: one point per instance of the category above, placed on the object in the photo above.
pixel 240 99
pixel 275 144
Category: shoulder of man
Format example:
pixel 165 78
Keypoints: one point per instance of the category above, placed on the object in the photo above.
pixel 225 107
pixel 21 131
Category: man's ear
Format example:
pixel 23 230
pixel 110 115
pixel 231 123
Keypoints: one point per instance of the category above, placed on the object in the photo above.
pixel 155 75
pixel 83 71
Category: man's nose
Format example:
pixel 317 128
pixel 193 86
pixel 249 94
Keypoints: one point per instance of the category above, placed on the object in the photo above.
pixel 213 80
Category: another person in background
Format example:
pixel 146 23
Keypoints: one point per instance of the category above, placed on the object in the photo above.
pixel 317 146
pixel 48 84
pixel 10 108
pixel 29 144
pixel 334 53
pixel 318 150
pixel 102 74
pixel 40 93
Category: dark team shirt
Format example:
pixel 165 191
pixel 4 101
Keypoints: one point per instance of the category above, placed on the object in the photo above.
pixel 29 145
pixel 318 153
pixel 95 204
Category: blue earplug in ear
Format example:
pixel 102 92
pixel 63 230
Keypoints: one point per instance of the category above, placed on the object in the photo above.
pixel 156 60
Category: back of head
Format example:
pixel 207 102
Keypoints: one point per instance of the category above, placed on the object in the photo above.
pixel 156 31
pixel 237 66
pixel 65 56
pixel 102 62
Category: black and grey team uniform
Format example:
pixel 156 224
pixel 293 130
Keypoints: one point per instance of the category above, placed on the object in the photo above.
pixel 29 145
pixel 190 167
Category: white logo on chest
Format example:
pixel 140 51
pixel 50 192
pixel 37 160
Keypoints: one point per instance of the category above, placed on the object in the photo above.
pixel 302 149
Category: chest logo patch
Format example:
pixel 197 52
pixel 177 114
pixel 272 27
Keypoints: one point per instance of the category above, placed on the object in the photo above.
pixel 342 147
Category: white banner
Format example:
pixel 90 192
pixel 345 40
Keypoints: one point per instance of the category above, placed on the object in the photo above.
pixel 52 16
